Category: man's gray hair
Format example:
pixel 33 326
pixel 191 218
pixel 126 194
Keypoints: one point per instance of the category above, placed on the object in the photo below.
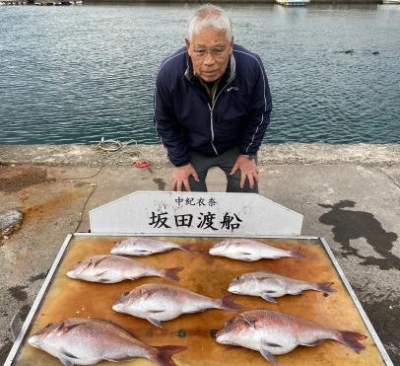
pixel 210 16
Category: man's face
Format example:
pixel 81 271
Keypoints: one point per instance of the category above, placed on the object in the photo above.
pixel 209 51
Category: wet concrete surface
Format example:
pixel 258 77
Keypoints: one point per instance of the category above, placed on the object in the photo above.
pixel 348 195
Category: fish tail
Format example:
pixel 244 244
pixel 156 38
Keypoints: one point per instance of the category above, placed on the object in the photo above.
pixel 326 287
pixel 228 304
pixel 171 273
pixel 296 253
pixel 350 339
pixel 164 354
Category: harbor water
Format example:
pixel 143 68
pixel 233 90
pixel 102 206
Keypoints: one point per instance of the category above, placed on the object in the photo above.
pixel 79 73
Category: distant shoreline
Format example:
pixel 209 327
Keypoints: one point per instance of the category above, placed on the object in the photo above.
pixel 171 2
pixel 222 2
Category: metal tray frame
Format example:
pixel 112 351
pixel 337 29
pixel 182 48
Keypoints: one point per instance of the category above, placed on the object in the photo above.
pixel 35 306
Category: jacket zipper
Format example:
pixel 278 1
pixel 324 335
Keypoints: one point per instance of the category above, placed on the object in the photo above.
pixel 211 108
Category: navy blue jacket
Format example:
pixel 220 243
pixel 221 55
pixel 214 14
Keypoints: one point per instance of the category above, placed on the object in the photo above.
pixel 186 120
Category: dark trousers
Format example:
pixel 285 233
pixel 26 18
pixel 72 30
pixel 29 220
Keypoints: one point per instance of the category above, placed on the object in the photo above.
pixel 225 162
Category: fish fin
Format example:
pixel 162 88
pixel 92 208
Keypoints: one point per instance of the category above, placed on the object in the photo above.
pixel 104 280
pixel 164 354
pixel 171 273
pixel 100 278
pixel 228 304
pixel 326 287
pixel 268 298
pixel 143 253
pixel 67 327
pixel 62 326
pixel 69 355
pixel 350 339
pixel 157 311
pixel 98 260
pixel 296 253
pixel 262 279
pixel 65 358
pixel 269 356
pixel 155 322
pixel 276 345
pixel 246 256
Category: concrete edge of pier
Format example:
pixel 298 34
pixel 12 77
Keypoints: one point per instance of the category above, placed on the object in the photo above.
pixel 102 154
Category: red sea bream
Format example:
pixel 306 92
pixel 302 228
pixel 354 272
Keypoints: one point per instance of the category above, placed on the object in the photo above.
pixel 161 302
pixel 250 250
pixel 275 333
pixel 112 268
pixel 83 341
pixel 143 247
pixel 270 285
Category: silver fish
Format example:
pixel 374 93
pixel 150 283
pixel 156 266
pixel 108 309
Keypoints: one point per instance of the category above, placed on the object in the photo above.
pixel 270 285
pixel 143 247
pixel 250 250
pixel 161 302
pixel 275 333
pixel 82 341
pixel 112 268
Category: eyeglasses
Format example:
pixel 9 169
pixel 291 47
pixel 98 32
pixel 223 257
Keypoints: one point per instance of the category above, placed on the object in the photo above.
pixel 214 51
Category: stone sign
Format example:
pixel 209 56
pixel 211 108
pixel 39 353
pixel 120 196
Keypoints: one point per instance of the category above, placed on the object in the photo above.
pixel 195 213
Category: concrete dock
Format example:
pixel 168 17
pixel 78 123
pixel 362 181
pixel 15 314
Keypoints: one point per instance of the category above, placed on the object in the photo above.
pixel 348 194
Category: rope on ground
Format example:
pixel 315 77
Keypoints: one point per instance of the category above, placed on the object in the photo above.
pixel 112 145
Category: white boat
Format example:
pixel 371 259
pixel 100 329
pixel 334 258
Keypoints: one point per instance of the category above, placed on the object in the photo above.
pixel 390 1
pixel 293 2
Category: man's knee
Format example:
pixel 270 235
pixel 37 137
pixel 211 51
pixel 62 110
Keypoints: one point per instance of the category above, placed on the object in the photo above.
pixel 234 184
pixel 200 186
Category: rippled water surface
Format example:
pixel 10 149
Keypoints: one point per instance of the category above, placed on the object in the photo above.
pixel 76 74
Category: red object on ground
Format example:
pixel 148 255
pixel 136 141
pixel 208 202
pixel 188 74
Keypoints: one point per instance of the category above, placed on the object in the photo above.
pixel 142 163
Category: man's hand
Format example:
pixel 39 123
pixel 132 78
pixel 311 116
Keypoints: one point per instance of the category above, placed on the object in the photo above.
pixel 248 169
pixel 180 177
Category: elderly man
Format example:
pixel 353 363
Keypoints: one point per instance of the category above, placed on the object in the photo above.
pixel 212 106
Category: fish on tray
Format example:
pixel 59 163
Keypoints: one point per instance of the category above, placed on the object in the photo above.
pixel 250 250
pixel 270 285
pixel 275 333
pixel 161 302
pixel 85 341
pixel 113 268
pixel 143 247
